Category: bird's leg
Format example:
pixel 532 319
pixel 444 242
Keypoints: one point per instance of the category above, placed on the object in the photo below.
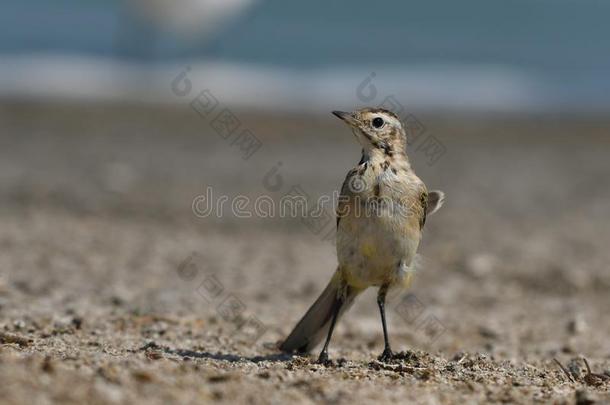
pixel 323 358
pixel 387 351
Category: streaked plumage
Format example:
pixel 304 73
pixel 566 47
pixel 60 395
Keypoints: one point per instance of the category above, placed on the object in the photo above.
pixel 380 217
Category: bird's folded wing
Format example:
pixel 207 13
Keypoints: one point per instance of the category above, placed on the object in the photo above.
pixel 436 198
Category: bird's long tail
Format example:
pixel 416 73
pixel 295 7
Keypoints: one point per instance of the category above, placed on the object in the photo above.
pixel 314 325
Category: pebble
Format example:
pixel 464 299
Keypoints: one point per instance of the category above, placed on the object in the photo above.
pixel 577 325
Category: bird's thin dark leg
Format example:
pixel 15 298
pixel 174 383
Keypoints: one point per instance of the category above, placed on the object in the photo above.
pixel 323 358
pixel 387 351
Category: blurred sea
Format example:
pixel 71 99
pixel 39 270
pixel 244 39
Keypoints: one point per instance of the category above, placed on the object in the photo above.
pixel 473 55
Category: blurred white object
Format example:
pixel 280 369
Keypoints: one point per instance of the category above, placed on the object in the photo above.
pixel 189 17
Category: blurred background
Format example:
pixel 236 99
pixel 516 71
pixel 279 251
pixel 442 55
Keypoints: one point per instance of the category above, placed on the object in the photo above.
pixel 477 55
pixel 115 116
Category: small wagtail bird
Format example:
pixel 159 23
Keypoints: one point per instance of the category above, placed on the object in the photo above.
pixel 380 218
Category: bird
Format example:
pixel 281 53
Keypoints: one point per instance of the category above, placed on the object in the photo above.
pixel 381 213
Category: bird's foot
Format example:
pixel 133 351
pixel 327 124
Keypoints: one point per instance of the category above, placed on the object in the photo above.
pixel 386 355
pixel 323 359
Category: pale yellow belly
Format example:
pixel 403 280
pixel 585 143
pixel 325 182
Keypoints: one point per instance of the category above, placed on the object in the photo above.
pixel 373 251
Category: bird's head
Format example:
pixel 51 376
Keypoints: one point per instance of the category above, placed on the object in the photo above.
pixel 376 129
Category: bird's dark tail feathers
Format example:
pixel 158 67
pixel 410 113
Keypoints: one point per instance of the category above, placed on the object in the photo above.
pixel 313 327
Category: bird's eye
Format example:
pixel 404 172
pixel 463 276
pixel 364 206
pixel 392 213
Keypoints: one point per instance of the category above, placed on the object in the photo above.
pixel 378 122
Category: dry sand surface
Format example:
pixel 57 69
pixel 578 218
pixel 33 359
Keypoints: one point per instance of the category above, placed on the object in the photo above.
pixel 113 291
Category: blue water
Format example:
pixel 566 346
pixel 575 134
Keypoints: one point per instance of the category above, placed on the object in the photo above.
pixel 563 44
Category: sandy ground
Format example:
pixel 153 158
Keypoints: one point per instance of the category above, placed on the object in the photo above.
pixel 113 291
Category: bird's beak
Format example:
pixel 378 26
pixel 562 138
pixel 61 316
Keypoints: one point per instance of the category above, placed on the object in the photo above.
pixel 347 117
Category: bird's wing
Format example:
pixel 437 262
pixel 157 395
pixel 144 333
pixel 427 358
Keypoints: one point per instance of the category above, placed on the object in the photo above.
pixel 423 201
pixel 436 198
pixel 345 195
pixel 431 201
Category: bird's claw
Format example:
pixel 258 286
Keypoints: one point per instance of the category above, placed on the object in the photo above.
pixel 323 359
pixel 386 355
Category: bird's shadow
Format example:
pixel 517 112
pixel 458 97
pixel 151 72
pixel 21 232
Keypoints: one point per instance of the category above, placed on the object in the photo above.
pixel 233 358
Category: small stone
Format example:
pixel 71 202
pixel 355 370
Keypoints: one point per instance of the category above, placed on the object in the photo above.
pixel 47 365
pixel 576 325
pixel 153 355
pixel 488 332
pixel 218 378
pixel 583 397
pixel 150 345
pixel 142 376
pixel 77 322
pixel 19 324
pixel 8 338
